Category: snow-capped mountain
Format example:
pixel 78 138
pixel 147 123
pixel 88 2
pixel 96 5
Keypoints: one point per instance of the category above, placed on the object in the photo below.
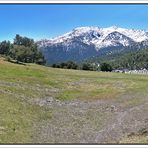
pixel 84 42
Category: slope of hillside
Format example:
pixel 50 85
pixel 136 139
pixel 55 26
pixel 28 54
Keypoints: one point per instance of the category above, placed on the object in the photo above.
pixel 130 60
pixel 46 105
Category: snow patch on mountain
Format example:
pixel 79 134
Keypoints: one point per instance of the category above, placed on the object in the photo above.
pixel 99 37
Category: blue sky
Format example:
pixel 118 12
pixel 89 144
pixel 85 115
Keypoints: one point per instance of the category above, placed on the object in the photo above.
pixel 46 21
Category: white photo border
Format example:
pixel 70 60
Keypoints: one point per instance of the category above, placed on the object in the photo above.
pixel 69 2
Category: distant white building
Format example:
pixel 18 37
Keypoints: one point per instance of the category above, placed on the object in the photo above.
pixel 141 71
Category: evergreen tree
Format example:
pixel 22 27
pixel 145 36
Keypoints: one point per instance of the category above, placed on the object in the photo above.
pixel 5 47
pixel 25 50
pixel 105 67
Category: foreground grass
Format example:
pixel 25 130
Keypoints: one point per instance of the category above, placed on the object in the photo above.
pixel 20 84
pixel 17 119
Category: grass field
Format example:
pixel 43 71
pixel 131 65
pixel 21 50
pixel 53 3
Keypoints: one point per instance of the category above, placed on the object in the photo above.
pixel 24 94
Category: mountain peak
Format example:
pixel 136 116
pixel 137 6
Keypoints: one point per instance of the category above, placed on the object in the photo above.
pixel 114 27
pixel 87 28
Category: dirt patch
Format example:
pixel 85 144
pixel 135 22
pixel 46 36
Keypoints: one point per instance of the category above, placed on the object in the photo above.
pixel 125 123
pixel 89 122
pixel 73 121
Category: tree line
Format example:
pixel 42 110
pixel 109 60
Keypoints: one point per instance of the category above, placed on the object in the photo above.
pixel 22 49
pixel 131 61
pixel 83 66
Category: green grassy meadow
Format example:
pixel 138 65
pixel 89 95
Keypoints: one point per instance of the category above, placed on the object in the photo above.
pixel 20 85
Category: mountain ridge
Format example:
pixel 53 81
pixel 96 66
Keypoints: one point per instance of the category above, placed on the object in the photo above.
pixel 75 44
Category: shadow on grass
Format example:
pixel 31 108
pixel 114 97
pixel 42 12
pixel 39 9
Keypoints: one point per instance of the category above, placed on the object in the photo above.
pixel 17 62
